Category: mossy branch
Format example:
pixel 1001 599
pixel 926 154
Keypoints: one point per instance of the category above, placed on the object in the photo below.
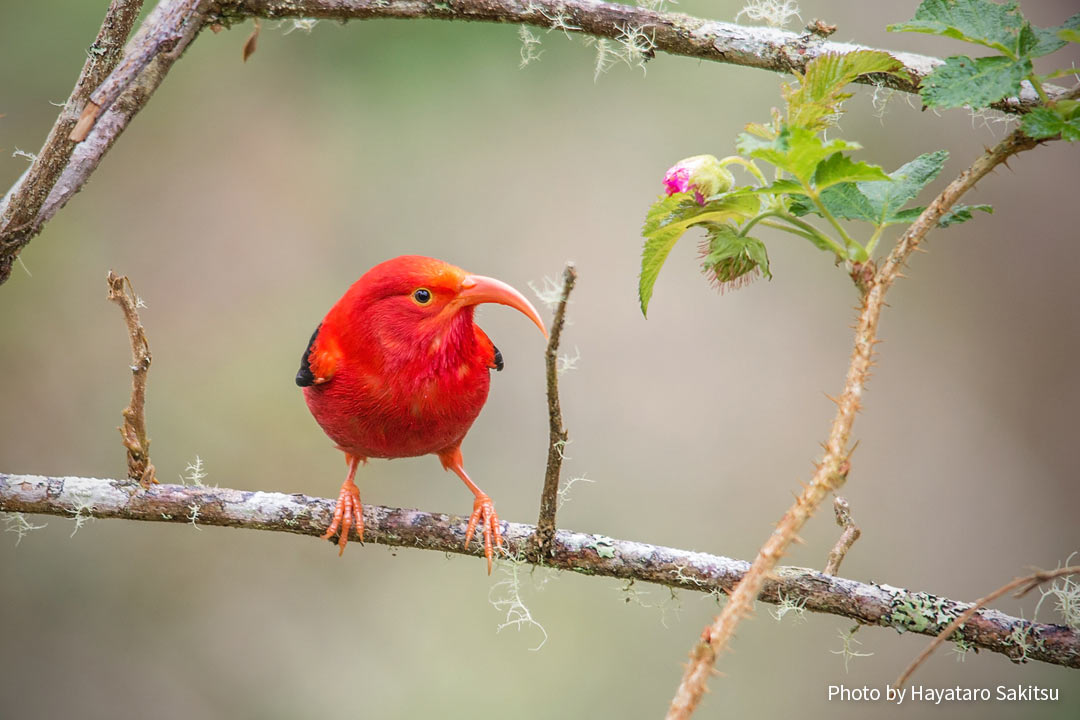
pixel 20 207
pixel 105 105
pixel 588 554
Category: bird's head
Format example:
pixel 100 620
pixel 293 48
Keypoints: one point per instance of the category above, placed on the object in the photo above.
pixel 411 293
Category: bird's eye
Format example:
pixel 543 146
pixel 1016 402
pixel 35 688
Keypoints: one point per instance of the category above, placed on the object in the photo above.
pixel 422 296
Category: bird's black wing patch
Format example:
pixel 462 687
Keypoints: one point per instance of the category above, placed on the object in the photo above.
pixel 304 376
pixel 498 358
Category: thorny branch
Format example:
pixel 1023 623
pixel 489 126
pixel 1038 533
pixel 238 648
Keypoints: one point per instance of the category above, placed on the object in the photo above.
pixel 1026 585
pixel 133 430
pixel 831 472
pixel 59 172
pixel 847 538
pixel 588 554
pixel 557 434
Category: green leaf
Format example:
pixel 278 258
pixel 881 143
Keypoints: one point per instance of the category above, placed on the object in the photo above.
pixel 962 213
pixel 796 150
pixel 838 168
pixel 820 90
pixel 973 82
pixel 1055 38
pixel 1044 122
pixel 670 217
pixel 974 21
pixel 880 202
pixel 732 260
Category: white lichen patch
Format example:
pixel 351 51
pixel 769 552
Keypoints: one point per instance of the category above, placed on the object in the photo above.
pixel 194 473
pixel 776 13
pixel 563 494
pixel 505 596
pixel 795 606
pixel 17 523
pixel 549 293
pixel 530 47
pixel 848 646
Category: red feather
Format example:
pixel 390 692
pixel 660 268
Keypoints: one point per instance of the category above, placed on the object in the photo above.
pixel 398 369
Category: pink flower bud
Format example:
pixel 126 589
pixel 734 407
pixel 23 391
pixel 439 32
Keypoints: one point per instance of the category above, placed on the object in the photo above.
pixel 701 174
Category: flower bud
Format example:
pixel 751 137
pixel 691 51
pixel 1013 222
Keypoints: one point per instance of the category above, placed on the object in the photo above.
pixel 701 174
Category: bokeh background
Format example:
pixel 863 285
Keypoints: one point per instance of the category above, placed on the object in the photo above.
pixel 244 200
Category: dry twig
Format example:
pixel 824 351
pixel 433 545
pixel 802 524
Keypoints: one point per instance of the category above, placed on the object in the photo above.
pixel 133 430
pixel 847 538
pixel 832 470
pixel 584 553
pixel 1026 585
pixel 557 434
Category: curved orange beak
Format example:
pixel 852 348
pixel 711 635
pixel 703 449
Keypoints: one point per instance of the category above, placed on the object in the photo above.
pixel 476 289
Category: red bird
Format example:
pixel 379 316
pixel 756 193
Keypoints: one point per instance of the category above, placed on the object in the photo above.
pixel 398 368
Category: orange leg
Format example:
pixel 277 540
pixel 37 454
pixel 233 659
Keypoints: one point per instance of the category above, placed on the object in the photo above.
pixel 348 512
pixel 483 514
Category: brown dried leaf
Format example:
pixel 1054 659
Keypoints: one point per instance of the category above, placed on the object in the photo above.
pixel 253 39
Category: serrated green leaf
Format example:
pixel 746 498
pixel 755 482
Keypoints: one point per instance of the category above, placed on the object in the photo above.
pixel 962 213
pixel 820 90
pixel 730 259
pixel 796 150
pixel 994 25
pixel 973 82
pixel 908 180
pixel 1054 38
pixel 838 168
pixel 880 202
pixel 670 217
pixel 1044 122
pixel 780 187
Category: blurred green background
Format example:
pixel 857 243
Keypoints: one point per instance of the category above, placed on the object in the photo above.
pixel 244 200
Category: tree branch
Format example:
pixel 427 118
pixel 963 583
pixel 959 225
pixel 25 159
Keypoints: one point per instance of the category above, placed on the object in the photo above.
pixel 831 472
pixel 557 434
pixel 765 48
pixel 173 24
pixel 869 604
pixel 26 197
pixel 1026 585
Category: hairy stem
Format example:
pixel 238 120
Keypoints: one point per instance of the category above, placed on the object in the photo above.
pixel 832 471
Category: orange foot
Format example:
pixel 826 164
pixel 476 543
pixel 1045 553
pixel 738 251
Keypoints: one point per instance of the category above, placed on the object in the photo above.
pixel 483 514
pixel 348 513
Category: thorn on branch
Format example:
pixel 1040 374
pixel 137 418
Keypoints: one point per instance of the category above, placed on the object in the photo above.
pixel 133 431
pixel 847 538
pixel 558 435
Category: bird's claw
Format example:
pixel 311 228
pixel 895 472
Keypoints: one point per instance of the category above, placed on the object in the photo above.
pixel 483 515
pixel 348 513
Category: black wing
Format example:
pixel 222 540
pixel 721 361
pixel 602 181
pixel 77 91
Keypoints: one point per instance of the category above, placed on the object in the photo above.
pixel 498 358
pixel 304 377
